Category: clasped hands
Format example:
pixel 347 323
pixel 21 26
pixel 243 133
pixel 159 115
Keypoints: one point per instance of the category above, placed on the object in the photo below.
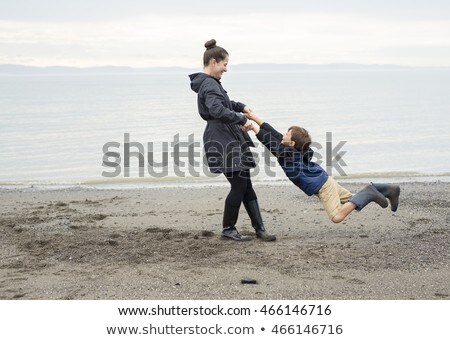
pixel 248 125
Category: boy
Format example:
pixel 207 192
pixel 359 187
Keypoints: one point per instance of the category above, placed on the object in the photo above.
pixel 294 154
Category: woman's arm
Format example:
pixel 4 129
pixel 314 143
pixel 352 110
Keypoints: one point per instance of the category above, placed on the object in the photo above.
pixel 238 106
pixel 216 108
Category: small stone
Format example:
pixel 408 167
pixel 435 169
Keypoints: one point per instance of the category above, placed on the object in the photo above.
pixel 247 281
pixel 113 242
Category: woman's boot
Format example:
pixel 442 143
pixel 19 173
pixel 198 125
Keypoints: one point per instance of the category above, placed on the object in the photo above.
pixel 253 211
pixel 391 192
pixel 367 195
pixel 229 231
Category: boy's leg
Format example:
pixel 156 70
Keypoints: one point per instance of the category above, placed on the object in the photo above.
pixel 367 195
pixel 390 191
pixel 344 211
pixel 352 202
pixel 346 207
pixel 344 194
pixel 330 198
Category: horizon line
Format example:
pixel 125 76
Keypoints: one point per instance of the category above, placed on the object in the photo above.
pixel 24 70
pixel 234 65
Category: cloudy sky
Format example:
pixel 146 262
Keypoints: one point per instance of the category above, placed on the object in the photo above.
pixel 145 33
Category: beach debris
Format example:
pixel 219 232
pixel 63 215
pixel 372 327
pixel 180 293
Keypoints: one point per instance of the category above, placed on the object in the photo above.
pixel 19 295
pixel 247 280
pixel 207 233
pixel 113 242
pixel 99 217
pixel 441 295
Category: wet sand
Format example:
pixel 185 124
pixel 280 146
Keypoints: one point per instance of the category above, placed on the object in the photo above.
pixel 163 243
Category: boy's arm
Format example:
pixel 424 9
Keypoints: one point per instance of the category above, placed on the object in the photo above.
pixel 275 134
pixel 253 116
pixel 265 126
pixel 266 134
pixel 271 139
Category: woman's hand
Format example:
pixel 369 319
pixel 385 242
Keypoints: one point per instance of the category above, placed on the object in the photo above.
pixel 247 111
pixel 247 126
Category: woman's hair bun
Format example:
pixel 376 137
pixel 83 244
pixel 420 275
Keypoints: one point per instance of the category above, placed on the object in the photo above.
pixel 210 44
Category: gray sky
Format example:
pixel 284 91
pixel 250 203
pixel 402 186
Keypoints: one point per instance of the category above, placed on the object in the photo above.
pixel 143 33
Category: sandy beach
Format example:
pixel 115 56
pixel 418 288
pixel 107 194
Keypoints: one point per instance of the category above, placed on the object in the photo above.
pixel 163 243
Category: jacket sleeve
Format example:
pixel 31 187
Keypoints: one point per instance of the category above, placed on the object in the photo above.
pixel 216 108
pixel 237 106
pixel 271 139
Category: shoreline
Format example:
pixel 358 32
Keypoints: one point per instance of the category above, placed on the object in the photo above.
pixel 217 181
pixel 163 243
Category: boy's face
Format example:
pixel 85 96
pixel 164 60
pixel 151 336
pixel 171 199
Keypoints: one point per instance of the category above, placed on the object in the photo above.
pixel 287 139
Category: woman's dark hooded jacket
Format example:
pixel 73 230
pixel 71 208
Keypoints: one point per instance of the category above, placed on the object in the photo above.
pixel 226 145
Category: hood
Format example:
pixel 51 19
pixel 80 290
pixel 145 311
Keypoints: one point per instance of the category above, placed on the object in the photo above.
pixel 197 80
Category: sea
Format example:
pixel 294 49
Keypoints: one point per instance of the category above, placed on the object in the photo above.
pixel 144 130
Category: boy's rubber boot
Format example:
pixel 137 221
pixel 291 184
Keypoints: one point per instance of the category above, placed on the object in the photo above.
pixel 390 191
pixel 254 213
pixel 367 195
pixel 229 231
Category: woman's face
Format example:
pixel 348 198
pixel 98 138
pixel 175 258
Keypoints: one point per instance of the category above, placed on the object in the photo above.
pixel 218 68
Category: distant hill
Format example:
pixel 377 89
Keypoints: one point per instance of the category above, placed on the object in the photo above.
pixel 22 69
pixel 319 67
pixel 11 69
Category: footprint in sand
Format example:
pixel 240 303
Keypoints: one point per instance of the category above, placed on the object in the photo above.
pixel 98 217
pixel 356 281
pixel 338 277
pixel 207 233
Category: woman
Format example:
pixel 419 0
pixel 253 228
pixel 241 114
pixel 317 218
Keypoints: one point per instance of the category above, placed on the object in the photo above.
pixel 226 143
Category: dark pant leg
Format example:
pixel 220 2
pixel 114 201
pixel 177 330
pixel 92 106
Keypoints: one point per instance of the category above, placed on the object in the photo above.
pixel 250 194
pixel 239 184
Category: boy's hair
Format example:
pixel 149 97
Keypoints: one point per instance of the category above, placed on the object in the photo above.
pixel 300 137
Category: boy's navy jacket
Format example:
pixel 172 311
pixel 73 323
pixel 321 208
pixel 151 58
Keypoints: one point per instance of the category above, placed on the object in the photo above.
pixel 299 168
pixel 226 145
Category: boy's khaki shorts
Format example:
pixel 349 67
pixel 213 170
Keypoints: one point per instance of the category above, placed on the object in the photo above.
pixel 332 196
